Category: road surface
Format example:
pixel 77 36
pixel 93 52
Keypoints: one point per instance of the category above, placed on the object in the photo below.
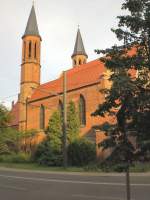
pixel 28 185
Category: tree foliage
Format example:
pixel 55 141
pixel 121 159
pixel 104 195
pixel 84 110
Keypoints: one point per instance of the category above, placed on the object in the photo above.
pixel 49 152
pixel 4 117
pixel 81 152
pixel 129 96
pixel 54 131
pixel 73 124
pixel 9 138
pixel 45 155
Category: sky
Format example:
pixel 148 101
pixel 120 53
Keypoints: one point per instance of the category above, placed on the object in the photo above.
pixel 58 21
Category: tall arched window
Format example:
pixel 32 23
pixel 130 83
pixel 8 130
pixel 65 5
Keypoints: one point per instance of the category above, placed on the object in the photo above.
pixel 24 54
pixel 30 49
pixel 35 50
pixel 42 117
pixel 82 111
pixel 60 107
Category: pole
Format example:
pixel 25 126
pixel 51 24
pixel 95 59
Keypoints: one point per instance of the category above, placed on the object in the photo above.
pixel 64 120
pixel 128 183
pixel 26 104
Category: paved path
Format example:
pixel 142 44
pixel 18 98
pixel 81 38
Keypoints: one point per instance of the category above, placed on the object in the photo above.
pixel 29 185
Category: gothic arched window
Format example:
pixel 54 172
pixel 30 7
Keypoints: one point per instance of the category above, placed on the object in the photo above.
pixel 82 111
pixel 30 49
pixel 35 50
pixel 42 117
pixel 60 107
pixel 24 56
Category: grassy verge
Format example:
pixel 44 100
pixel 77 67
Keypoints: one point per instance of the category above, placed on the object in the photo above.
pixel 140 167
pixel 36 167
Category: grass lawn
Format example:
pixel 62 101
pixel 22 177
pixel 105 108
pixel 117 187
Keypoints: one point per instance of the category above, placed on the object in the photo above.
pixel 36 167
pixel 33 166
pixel 140 167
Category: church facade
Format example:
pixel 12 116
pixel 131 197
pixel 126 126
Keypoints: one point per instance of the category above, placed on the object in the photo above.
pixel 36 101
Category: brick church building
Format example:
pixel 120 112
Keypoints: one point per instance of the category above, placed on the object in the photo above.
pixel 37 102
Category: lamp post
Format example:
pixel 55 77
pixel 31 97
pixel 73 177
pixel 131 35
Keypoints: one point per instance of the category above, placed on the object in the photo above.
pixel 64 120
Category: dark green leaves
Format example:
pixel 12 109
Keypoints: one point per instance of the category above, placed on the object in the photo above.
pixel 128 99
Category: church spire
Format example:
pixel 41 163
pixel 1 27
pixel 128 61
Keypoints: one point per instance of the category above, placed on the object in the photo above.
pixel 79 55
pixel 30 67
pixel 32 26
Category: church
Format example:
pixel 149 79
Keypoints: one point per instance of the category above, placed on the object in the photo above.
pixel 36 101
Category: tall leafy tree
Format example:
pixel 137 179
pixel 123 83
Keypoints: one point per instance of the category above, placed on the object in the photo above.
pixel 129 96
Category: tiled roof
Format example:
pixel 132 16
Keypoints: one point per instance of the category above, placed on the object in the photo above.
pixel 15 115
pixel 77 77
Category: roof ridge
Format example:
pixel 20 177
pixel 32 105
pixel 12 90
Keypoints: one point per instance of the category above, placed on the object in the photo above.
pixel 82 67
pixel 50 81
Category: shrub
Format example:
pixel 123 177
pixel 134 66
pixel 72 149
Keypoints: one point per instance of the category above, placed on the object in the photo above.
pixel 15 158
pixel 81 152
pixel 46 155
pixel 10 141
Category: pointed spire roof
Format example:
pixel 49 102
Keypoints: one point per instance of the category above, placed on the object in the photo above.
pixel 32 26
pixel 79 46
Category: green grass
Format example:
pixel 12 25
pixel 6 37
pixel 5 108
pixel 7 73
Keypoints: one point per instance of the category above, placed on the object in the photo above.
pixel 139 168
pixel 33 166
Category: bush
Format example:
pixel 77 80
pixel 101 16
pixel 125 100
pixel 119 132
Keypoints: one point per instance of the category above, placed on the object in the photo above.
pixel 15 158
pixel 81 152
pixel 45 155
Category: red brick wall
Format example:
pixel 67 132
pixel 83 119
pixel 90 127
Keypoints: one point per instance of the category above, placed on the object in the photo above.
pixel 92 97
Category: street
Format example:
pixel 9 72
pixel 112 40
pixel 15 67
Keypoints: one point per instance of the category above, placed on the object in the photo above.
pixel 28 185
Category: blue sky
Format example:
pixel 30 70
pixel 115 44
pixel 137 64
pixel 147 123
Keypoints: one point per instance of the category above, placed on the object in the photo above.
pixel 58 21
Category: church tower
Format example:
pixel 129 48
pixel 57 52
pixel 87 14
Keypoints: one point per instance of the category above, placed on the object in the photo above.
pixel 79 56
pixel 30 67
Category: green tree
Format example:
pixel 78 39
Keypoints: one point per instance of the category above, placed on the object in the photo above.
pixel 49 152
pixel 129 97
pixel 73 125
pixel 54 131
pixel 10 141
pixel 9 138
pixel 4 117
pixel 81 152
pixel 53 145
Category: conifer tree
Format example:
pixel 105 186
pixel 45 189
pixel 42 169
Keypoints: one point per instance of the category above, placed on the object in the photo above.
pixel 54 132
pixel 73 126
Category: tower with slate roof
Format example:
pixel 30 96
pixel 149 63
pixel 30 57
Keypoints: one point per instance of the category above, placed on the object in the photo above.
pixel 79 55
pixel 30 67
